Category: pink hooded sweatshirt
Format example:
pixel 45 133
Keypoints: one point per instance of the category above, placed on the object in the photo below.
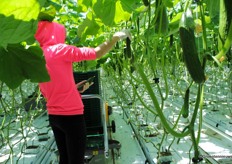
pixel 61 93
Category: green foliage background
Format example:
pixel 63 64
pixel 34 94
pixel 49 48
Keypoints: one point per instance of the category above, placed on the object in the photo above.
pixel 19 21
pixel 89 23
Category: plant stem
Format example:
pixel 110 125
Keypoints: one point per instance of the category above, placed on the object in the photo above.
pixel 227 44
pixel 157 107
pixel 203 26
pixel 195 141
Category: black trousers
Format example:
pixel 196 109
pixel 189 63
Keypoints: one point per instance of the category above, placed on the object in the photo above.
pixel 70 136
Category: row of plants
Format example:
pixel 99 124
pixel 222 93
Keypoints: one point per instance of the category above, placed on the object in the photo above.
pixel 184 48
pixel 174 45
pixel 132 96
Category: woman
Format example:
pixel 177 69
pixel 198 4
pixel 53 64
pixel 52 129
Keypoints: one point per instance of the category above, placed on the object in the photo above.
pixel 64 103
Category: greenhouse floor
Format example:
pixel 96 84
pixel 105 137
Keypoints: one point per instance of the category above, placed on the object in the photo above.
pixel 215 144
pixel 41 148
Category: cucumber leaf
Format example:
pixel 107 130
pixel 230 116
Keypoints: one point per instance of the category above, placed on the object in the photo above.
pixel 88 27
pixel 18 64
pixel 15 31
pixel 83 5
pixel 18 20
pixel 112 12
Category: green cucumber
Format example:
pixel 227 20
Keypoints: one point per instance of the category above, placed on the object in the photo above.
pixel 185 107
pixel 189 48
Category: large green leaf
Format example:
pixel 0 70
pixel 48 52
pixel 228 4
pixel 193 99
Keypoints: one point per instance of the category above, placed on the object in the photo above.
pixel 83 5
pixel 112 12
pixel 121 14
pixel 15 31
pixel 105 10
pixel 21 10
pixel 88 27
pixel 18 20
pixel 168 3
pixel 130 5
pixel 18 64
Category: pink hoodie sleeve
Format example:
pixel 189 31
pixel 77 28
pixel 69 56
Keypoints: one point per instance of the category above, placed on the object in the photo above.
pixel 75 54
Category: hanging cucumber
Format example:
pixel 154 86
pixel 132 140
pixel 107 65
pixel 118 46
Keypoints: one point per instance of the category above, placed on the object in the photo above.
pixel 189 48
pixel 129 55
pixel 226 45
pixel 128 48
pixel 185 107
pixel 224 21
pixel 224 26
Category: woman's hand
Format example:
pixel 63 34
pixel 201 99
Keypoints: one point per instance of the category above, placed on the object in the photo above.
pixel 125 33
pixel 83 86
pixel 105 47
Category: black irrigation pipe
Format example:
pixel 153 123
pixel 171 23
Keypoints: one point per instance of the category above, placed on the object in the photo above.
pixel 145 152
